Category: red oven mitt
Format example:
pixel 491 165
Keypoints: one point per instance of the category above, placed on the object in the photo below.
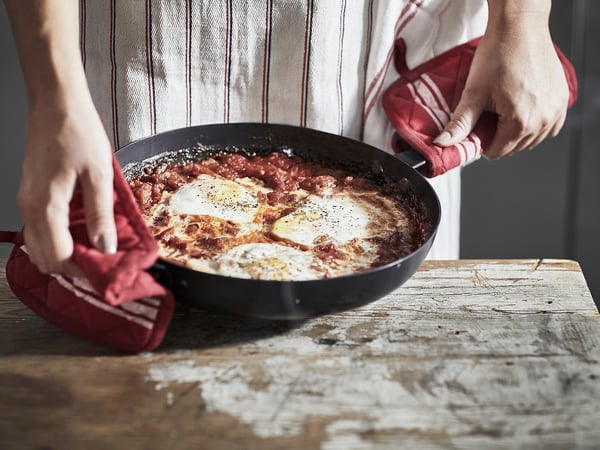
pixel 419 104
pixel 118 303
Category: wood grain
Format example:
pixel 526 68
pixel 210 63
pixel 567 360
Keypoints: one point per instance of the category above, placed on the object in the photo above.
pixel 467 354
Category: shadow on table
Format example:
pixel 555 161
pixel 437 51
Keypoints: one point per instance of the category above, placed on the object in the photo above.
pixel 190 329
pixel 196 329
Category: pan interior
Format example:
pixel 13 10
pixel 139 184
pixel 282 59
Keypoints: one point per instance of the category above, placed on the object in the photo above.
pixel 318 234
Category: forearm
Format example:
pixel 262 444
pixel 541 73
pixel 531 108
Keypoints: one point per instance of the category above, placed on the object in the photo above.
pixel 517 16
pixel 46 35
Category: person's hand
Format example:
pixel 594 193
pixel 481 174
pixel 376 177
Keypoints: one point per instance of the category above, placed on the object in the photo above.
pixel 516 74
pixel 66 149
pixel 66 146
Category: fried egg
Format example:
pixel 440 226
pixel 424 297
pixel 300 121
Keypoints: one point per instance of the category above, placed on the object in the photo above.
pixel 217 197
pixel 339 219
pixel 265 261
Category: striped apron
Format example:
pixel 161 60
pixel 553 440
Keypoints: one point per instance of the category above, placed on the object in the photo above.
pixel 156 65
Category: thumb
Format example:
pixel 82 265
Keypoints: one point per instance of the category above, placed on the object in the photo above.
pixel 462 121
pixel 97 192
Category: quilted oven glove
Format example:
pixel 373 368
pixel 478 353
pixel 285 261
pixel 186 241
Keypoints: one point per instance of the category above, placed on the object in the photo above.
pixel 419 104
pixel 118 304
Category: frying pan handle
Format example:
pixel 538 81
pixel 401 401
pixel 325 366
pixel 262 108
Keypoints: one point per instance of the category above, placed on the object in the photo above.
pixel 411 157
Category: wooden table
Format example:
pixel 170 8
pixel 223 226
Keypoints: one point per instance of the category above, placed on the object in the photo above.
pixel 467 354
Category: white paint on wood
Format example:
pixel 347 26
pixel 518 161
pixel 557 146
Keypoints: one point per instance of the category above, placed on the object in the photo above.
pixel 382 393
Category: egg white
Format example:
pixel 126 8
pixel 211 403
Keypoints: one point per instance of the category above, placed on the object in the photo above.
pixel 339 219
pixel 216 197
pixel 265 261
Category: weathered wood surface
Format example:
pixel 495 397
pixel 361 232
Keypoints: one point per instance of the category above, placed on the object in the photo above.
pixel 467 354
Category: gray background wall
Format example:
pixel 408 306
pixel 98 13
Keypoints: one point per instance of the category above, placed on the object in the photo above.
pixel 536 204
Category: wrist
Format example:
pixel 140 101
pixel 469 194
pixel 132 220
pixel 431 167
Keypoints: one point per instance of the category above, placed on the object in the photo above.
pixel 56 79
pixel 517 16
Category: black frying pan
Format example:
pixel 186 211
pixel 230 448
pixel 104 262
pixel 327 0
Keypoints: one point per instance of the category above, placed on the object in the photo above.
pixel 285 299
